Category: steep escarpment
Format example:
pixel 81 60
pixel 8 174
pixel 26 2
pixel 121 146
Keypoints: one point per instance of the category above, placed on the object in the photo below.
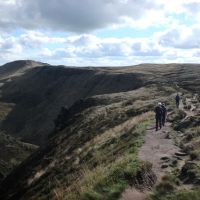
pixel 39 94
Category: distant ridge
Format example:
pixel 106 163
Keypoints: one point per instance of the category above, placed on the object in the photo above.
pixel 19 66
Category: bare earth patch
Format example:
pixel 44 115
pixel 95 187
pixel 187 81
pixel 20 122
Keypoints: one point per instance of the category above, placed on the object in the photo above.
pixel 133 194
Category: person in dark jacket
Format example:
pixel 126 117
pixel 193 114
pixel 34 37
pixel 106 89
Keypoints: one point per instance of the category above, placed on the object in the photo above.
pixel 177 100
pixel 164 114
pixel 158 116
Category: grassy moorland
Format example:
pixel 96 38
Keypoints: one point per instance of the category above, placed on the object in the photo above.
pixel 92 152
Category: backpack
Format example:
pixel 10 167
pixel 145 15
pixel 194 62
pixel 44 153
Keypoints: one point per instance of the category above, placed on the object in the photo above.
pixel 158 110
pixel 177 98
pixel 164 109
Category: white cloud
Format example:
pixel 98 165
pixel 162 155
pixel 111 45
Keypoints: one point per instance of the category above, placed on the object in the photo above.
pixel 40 22
pixel 33 39
pixel 21 47
pixel 10 49
pixel 76 16
pixel 91 48
pixel 179 6
pixel 182 37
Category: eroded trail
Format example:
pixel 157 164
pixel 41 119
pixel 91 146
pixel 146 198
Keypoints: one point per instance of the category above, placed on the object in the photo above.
pixel 189 112
pixel 160 150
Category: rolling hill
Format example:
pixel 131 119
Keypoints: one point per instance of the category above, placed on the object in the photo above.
pixel 39 90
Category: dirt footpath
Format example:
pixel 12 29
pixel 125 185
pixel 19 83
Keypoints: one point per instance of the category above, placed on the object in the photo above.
pixel 158 149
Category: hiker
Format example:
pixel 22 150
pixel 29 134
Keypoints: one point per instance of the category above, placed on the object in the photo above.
pixel 158 116
pixel 177 100
pixel 164 114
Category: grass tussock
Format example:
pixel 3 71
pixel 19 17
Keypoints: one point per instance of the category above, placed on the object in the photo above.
pixel 108 182
pixel 190 142
pixel 167 190
pixel 179 195
pixel 176 116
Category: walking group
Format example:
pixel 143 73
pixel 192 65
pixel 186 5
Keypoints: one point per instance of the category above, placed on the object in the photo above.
pixel 161 112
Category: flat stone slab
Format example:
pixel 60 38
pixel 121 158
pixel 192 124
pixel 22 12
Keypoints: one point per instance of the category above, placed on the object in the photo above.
pixel 180 154
pixel 164 166
pixel 165 158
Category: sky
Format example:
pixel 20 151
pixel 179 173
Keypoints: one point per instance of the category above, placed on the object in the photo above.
pixel 100 32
